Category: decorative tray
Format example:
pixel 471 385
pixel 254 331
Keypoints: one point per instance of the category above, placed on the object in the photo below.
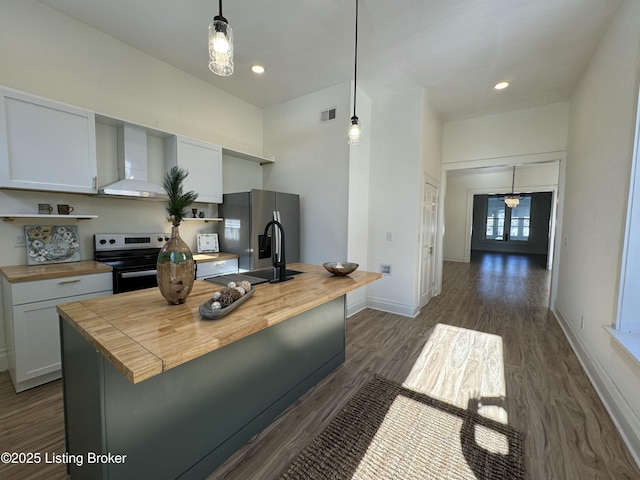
pixel 207 313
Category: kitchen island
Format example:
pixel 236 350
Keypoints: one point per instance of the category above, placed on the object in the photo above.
pixel 175 395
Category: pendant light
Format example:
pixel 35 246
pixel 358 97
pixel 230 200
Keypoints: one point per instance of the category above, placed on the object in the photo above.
pixel 354 127
pixel 220 45
pixel 512 200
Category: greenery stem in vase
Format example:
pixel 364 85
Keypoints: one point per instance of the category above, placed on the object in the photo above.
pixel 175 265
pixel 179 201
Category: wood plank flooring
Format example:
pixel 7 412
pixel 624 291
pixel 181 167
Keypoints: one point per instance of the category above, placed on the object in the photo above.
pixel 569 435
pixel 31 421
pixel 547 395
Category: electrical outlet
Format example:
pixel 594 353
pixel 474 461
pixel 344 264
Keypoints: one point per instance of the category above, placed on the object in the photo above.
pixel 582 321
pixel 385 269
pixel 388 236
pixel 18 239
pixel 565 241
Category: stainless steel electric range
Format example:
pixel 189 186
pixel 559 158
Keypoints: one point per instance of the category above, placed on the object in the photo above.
pixel 133 257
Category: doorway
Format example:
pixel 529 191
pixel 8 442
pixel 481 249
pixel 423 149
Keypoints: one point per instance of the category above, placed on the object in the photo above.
pixel 525 228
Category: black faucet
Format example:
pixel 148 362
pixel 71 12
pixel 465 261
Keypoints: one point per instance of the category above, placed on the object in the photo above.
pixel 280 264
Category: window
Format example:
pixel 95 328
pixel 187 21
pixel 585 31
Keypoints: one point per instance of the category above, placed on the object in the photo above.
pixel 629 300
pixel 627 329
pixel 508 224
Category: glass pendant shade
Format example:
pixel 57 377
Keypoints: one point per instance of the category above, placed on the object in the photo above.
pixel 220 47
pixel 354 126
pixel 354 131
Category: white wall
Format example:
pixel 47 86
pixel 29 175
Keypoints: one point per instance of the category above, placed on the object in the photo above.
pixel 313 161
pixel 530 131
pixel 48 54
pixel 598 168
pixel 402 151
pixel 431 152
pixel 463 184
pixel 358 216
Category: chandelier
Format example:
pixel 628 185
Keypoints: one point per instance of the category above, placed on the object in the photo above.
pixel 513 199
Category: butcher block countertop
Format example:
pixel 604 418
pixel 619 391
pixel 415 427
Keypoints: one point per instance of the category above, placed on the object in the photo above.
pixel 142 336
pixel 213 257
pixel 28 273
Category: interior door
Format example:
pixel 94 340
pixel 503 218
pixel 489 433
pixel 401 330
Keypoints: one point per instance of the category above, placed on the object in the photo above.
pixel 428 243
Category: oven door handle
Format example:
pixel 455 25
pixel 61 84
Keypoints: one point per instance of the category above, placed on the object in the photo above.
pixel 144 273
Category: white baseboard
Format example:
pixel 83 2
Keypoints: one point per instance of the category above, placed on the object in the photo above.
pixel 4 364
pixel 356 307
pixel 392 307
pixel 456 259
pixel 623 417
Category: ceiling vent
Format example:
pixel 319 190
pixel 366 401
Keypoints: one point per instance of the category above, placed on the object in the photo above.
pixel 328 115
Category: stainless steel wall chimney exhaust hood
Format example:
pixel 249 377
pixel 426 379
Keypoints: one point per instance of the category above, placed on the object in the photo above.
pixel 132 167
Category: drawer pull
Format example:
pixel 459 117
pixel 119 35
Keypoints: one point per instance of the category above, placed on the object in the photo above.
pixel 66 282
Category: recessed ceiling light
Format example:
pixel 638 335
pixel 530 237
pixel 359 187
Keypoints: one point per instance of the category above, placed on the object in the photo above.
pixel 501 85
pixel 257 68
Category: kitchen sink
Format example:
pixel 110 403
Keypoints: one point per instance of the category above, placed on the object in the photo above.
pixel 255 277
pixel 270 273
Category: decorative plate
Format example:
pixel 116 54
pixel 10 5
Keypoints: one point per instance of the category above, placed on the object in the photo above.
pixel 51 244
pixel 207 313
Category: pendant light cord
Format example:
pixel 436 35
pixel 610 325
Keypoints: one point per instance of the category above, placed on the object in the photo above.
pixel 513 179
pixel 220 5
pixel 355 67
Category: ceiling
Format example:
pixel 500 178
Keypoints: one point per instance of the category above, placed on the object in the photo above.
pixel 455 49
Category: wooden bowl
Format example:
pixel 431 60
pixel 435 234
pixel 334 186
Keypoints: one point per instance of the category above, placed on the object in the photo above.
pixel 340 268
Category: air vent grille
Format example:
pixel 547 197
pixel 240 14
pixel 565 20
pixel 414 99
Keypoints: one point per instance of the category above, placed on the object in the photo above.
pixel 328 115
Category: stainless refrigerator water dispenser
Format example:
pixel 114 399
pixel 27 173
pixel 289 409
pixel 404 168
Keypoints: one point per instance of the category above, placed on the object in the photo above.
pixel 245 215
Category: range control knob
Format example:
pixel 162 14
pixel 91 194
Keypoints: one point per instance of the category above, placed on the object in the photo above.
pixel 166 239
pixel 159 239
pixel 112 241
pixel 103 241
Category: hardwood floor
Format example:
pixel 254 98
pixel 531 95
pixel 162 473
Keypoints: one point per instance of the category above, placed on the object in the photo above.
pixel 31 422
pixel 547 396
pixel 569 435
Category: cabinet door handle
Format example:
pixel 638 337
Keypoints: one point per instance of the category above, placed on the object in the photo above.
pixel 66 282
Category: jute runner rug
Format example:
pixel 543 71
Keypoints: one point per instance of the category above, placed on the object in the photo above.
pixel 390 432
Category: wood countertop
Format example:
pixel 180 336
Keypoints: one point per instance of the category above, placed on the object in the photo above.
pixel 213 257
pixel 28 273
pixel 143 336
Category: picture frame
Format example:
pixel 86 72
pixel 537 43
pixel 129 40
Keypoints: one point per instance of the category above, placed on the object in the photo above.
pixel 51 244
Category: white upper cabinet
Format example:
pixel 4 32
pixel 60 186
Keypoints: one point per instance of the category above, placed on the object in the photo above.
pixel 204 163
pixel 45 145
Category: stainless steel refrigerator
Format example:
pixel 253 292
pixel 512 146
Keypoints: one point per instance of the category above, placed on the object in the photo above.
pixel 246 214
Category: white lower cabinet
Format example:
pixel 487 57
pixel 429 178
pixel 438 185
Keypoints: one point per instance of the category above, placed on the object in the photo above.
pixel 218 267
pixel 32 326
